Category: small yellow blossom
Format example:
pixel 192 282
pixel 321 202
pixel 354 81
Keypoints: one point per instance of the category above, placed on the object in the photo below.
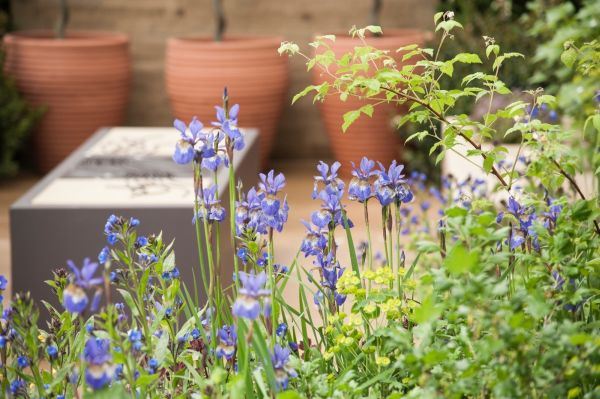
pixel 382 360
pixel 411 284
pixel 42 337
pixel 384 275
pixel 369 274
pixel 348 283
pixel 356 320
pixel 370 308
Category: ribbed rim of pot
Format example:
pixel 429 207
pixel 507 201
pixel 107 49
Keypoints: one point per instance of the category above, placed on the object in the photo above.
pixel 74 38
pixel 229 42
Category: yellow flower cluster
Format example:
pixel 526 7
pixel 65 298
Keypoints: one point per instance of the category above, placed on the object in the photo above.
pixel 382 275
pixel 392 307
pixel 349 284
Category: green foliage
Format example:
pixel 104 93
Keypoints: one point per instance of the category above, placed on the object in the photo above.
pixel 17 119
pixel 500 20
pixel 561 28
pixel 486 310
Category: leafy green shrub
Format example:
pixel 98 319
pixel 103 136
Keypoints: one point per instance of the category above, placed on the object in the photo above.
pixel 17 119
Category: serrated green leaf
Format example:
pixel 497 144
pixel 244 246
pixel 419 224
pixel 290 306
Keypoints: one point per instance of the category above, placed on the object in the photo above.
pixel 460 260
pixel 568 57
pixel 447 68
pixel 467 58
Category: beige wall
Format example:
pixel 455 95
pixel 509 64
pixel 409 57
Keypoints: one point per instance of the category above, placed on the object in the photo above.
pixel 150 22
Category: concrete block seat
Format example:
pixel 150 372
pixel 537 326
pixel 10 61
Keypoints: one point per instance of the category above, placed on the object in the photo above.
pixel 127 171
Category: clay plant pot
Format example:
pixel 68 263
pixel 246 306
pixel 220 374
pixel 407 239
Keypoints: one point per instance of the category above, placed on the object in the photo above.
pixel 82 81
pixel 375 137
pixel 197 70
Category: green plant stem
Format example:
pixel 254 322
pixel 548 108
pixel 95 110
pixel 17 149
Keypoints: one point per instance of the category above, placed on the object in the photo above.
pixel 397 223
pixel 197 178
pixel 271 277
pixel 369 245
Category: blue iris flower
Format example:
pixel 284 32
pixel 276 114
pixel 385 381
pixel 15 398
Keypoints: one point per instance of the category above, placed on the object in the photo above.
pixel 331 271
pixel 271 183
pixel 248 212
pixel 230 126
pixel 390 184
pixel 331 203
pixel 84 278
pixel 247 305
pixel 280 360
pixel 99 371
pixel 227 342
pixel 328 176
pixel 210 206
pixel 261 210
pixel 97 351
pixel 360 188
pixel 185 150
pixel 315 240
pixel 516 241
pixel 75 300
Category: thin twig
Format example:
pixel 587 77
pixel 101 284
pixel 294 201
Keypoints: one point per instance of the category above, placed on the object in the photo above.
pixel 443 119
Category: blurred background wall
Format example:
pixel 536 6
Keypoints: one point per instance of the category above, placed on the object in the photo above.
pixel 149 23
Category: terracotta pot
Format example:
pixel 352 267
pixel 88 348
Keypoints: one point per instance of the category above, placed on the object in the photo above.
pixel 373 137
pixel 256 76
pixel 83 82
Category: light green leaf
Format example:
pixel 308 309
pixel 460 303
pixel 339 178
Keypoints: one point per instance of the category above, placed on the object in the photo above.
pixel 303 93
pixel 568 57
pixel 467 58
pixel 427 311
pixel 169 262
pixel 447 68
pixel 460 260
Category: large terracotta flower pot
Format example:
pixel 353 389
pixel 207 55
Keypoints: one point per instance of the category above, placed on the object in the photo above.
pixel 197 69
pixel 375 137
pixel 83 82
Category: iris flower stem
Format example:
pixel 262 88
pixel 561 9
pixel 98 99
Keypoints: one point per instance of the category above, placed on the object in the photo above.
pixel 369 247
pixel 218 229
pixel 271 282
pixel 232 217
pixel 397 223
pixel 385 235
pixel 229 149
pixel 197 226
pixel 211 264
pixel 217 286
pixel 389 226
